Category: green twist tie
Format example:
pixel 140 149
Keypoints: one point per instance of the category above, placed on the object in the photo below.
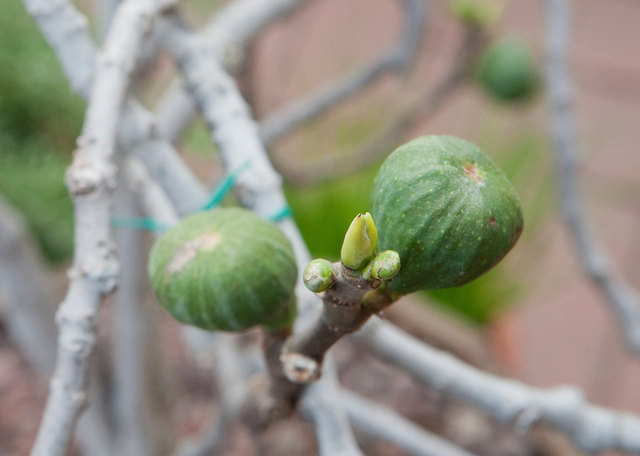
pixel 138 223
pixel 221 190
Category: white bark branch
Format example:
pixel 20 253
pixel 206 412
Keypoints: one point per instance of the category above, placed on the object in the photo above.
pixel 592 428
pixel 66 31
pixel 382 423
pixel 228 34
pixel 236 135
pixel 90 179
pixel 395 59
pixel 624 300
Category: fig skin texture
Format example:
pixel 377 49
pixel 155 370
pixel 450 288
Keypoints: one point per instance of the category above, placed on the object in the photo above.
pixel 225 269
pixel 447 209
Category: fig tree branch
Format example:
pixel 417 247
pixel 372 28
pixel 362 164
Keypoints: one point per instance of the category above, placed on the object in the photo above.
pixel 321 405
pixel 90 180
pixel 400 121
pixel 66 31
pixel 229 33
pixel 590 427
pixel 395 59
pixel 27 317
pixel 381 422
pixel 622 297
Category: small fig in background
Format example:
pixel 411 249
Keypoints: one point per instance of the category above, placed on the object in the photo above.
pixel 447 209
pixel 507 70
pixel 225 269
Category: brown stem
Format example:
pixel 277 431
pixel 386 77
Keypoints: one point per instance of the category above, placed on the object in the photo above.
pixel 347 305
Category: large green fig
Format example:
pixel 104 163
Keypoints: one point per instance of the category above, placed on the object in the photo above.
pixel 447 209
pixel 507 70
pixel 225 269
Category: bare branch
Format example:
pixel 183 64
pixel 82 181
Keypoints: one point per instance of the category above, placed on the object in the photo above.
pixel 381 422
pixel 65 28
pixel 321 403
pixel 403 119
pixel 596 263
pixel 228 34
pixel 592 428
pixel 396 59
pixel 142 412
pixel 25 292
pixel 90 179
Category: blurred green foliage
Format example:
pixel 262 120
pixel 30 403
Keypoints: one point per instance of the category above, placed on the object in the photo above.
pixel 39 121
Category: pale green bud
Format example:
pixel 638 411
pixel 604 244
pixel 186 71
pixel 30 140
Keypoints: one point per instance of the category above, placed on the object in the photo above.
pixel 386 265
pixel 360 242
pixel 317 275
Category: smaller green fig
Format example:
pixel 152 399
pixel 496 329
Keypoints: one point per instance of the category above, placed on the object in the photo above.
pixel 317 276
pixel 225 269
pixel 507 70
pixel 360 242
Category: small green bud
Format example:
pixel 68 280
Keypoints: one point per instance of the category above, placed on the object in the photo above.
pixel 317 275
pixel 360 242
pixel 386 265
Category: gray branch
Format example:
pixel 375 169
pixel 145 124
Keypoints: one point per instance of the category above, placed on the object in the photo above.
pixel 90 179
pixel 230 32
pixel 592 428
pixel 141 406
pixel 381 422
pixel 25 291
pixel 623 299
pixel 322 405
pixel 66 31
pixel 396 59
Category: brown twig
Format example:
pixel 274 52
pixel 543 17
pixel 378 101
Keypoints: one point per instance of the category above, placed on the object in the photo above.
pixel 347 304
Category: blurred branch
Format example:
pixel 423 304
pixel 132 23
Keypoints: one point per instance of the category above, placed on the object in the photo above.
pixel 382 423
pixel 142 413
pixel 323 406
pixel 228 34
pixel 90 179
pixel 233 385
pixel 595 260
pixel 406 117
pixel 396 59
pixel 592 428
pixel 25 292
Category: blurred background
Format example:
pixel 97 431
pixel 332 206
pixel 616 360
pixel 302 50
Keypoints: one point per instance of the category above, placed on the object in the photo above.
pixel 534 317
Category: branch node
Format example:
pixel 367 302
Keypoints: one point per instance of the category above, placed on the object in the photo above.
pixel 299 368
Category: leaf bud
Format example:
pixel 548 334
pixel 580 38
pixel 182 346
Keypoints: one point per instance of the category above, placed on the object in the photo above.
pixel 360 242
pixel 317 275
pixel 386 265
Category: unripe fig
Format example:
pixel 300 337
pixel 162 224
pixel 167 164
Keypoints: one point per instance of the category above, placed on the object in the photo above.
pixel 225 269
pixel 507 70
pixel 447 209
